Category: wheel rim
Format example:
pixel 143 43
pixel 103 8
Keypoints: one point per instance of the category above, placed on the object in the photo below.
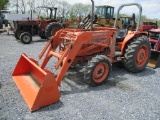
pixel 100 72
pixel 142 56
pixel 26 38
pixel 54 30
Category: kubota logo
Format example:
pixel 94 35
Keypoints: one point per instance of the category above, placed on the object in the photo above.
pixel 99 34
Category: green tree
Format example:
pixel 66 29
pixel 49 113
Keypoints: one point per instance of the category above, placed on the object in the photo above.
pixel 3 4
pixel 143 18
pixel 63 9
pixel 80 9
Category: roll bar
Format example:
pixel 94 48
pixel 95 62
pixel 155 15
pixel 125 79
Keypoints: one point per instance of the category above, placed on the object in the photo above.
pixel 130 4
pixel 51 9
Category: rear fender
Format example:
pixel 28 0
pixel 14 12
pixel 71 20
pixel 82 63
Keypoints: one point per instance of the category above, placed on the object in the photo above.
pixel 130 36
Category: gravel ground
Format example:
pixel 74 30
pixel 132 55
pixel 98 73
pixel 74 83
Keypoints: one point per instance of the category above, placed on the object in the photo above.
pixel 125 96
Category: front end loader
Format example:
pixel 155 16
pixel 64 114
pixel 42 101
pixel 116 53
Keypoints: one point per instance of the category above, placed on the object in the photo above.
pixel 100 46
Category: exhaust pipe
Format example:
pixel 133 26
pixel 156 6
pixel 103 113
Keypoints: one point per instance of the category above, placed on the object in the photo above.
pixel 92 14
pixel 31 14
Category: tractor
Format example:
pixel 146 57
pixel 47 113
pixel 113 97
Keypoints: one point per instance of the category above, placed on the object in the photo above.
pixel 104 16
pixel 154 38
pixel 100 46
pixel 148 25
pixel 128 22
pixel 2 18
pixel 25 29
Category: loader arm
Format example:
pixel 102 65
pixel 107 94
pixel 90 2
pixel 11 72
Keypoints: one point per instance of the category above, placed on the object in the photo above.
pixel 65 59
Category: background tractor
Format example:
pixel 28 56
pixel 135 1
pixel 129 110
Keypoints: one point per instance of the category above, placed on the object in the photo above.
pixel 154 38
pixel 2 18
pixel 148 25
pixel 104 16
pixel 25 29
pixel 100 46
pixel 128 22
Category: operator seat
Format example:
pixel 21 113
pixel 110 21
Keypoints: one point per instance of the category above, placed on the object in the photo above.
pixel 121 34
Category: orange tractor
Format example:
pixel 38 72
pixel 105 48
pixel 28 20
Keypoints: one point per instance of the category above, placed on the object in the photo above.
pixel 100 46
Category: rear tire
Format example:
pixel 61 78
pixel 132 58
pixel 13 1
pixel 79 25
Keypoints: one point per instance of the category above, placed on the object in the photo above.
pixel 97 71
pixel 52 28
pixel 26 38
pixel 137 54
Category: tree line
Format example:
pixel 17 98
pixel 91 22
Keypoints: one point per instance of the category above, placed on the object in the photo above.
pixel 65 10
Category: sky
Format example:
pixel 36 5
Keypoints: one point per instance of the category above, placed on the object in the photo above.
pixel 150 8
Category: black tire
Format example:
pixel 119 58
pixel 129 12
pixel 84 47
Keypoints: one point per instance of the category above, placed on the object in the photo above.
pixel 137 54
pixel 26 38
pixel 17 35
pixel 42 37
pixel 52 28
pixel 101 65
pixel 41 34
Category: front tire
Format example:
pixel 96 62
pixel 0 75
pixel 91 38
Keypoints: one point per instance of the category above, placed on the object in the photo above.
pixel 137 54
pixel 97 71
pixel 17 35
pixel 26 38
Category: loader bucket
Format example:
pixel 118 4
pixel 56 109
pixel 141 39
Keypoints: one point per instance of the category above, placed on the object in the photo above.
pixel 37 86
pixel 154 60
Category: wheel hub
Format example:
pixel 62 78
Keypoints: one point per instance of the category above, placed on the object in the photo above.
pixel 100 72
pixel 26 38
pixel 142 56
